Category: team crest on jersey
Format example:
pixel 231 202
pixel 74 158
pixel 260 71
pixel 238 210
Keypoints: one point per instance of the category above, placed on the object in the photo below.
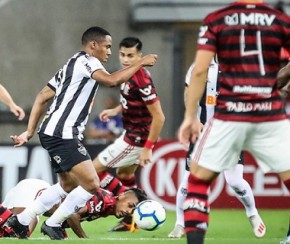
pixel 82 149
pixel 138 139
pixel 57 159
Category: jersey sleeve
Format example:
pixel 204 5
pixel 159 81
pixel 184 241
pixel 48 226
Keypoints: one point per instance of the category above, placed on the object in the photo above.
pixel 90 65
pixel 146 87
pixel 207 37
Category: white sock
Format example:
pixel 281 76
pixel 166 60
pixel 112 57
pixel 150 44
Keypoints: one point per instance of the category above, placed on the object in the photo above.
pixel 243 191
pixel 42 203
pixel 180 198
pixel 74 200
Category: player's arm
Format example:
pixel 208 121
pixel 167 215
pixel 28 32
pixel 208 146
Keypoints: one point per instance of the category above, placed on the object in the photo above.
pixel 157 123
pixel 107 113
pixel 6 98
pixel 190 127
pixel 74 223
pixel 38 107
pixel 124 74
pixel 283 76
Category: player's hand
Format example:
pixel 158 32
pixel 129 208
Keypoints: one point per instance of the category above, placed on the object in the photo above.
pixel 149 60
pixel 144 157
pixel 21 139
pixel 17 111
pixel 189 131
pixel 106 114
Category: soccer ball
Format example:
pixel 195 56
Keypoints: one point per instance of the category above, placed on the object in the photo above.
pixel 149 215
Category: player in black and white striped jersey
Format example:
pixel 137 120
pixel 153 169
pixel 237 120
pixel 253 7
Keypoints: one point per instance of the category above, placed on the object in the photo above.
pixel 73 89
pixel 234 176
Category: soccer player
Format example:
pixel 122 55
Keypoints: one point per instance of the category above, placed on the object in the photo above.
pixel 283 83
pixel 72 91
pixel 20 197
pixel 234 176
pixel 247 36
pixel 143 120
pixel 102 204
pixel 6 98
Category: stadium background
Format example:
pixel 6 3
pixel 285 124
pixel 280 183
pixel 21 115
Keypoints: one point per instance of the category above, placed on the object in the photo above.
pixel 37 37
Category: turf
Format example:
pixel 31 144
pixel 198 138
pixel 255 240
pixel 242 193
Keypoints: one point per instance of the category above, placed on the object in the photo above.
pixel 226 226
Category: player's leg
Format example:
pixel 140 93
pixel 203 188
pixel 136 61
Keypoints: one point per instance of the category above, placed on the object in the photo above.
pixel 178 230
pixel 243 191
pixel 211 155
pixel 285 177
pixel 275 136
pixel 20 223
pixel 196 206
pixel 4 215
pixel 111 183
pixel 127 175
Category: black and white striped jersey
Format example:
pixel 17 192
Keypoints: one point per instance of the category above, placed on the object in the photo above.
pixel 207 103
pixel 75 91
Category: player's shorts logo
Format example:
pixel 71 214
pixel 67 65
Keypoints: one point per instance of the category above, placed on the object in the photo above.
pixel 82 149
pixel 57 159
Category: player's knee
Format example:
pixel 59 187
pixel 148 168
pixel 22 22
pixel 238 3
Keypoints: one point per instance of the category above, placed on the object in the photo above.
pixel 92 186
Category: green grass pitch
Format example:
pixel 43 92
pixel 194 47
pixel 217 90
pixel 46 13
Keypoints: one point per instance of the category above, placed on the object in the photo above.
pixel 226 226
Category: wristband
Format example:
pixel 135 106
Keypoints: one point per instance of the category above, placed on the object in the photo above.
pixel 149 144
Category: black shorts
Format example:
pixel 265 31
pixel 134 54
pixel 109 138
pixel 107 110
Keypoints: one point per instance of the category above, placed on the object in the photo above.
pixel 190 150
pixel 64 153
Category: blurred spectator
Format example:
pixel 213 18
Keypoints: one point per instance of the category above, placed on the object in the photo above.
pixel 105 131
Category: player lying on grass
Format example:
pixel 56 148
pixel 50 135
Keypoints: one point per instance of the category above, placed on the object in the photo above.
pixel 102 204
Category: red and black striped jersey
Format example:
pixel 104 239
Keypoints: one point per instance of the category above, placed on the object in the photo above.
pixel 247 39
pixel 136 93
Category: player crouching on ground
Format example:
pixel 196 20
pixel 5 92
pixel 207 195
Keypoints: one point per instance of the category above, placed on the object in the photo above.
pixel 102 204
pixel 105 204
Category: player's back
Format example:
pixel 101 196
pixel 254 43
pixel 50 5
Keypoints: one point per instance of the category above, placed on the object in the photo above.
pixel 247 39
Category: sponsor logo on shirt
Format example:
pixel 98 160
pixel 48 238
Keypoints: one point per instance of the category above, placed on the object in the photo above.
pixel 248 107
pixel 260 19
pixel 253 90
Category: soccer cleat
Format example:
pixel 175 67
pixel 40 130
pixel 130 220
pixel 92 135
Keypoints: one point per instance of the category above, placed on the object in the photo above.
pixel 54 233
pixel 125 224
pixel 20 230
pixel 258 226
pixel 177 232
pixel 286 240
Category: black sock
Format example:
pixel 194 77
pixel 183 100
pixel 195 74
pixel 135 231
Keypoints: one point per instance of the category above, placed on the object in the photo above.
pixel 195 237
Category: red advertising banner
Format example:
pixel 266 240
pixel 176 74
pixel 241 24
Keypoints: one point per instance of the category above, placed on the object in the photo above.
pixel 161 179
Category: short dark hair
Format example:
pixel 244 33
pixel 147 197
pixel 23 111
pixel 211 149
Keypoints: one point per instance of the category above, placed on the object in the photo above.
pixel 140 194
pixel 94 33
pixel 129 42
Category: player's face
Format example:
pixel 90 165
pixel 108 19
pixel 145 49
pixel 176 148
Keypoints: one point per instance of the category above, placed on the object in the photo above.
pixel 126 203
pixel 128 56
pixel 102 50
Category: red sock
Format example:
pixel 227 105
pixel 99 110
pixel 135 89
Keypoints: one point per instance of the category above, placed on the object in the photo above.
pixel 111 183
pixel 129 182
pixel 4 214
pixel 196 207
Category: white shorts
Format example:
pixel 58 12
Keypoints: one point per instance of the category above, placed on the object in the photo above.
pixel 221 142
pixel 119 154
pixel 24 193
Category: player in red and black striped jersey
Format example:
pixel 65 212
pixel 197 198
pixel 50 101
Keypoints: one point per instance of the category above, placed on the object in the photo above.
pixel 142 117
pixel 247 36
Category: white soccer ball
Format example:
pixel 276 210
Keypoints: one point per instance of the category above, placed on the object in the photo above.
pixel 149 215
